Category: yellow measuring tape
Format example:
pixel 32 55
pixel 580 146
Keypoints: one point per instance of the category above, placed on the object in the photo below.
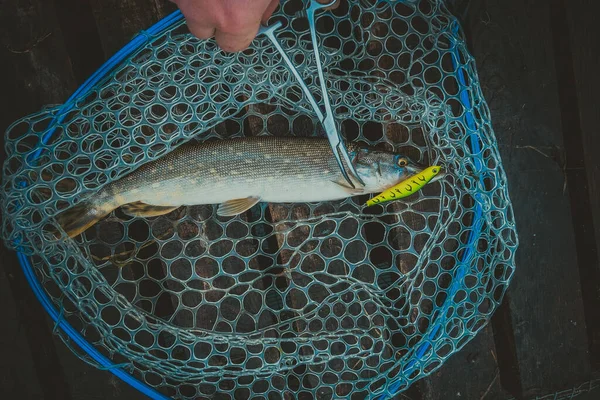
pixel 406 187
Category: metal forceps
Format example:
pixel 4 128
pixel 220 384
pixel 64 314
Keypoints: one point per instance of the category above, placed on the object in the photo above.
pixel 335 140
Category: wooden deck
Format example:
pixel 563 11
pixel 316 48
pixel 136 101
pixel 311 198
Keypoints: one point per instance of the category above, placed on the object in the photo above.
pixel 538 65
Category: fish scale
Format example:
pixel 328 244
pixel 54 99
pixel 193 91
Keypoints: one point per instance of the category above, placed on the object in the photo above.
pixel 282 169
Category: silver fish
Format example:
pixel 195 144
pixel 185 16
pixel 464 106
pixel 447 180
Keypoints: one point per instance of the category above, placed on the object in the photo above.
pixel 237 174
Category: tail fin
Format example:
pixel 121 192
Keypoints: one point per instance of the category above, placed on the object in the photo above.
pixel 80 217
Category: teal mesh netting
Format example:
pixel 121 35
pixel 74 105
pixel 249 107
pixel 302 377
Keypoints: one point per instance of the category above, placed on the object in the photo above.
pixel 324 300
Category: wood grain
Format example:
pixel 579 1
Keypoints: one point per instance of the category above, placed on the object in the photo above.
pixel 34 71
pixel 39 68
pixel 20 365
pixel 511 41
pixel 119 21
pixel 579 84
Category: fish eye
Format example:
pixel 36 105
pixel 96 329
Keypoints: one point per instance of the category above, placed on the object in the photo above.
pixel 402 162
pixel 435 170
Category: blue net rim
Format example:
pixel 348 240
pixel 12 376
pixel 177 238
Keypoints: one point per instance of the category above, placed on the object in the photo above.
pixel 135 44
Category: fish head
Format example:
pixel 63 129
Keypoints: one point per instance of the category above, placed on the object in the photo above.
pixel 382 169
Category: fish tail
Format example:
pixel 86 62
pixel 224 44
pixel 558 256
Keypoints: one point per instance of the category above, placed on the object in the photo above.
pixel 80 217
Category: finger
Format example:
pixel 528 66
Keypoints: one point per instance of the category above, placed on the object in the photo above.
pixel 269 11
pixel 201 31
pixel 236 41
pixel 200 24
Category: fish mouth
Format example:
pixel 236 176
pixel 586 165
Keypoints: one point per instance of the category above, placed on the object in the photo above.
pixel 416 169
pixel 441 175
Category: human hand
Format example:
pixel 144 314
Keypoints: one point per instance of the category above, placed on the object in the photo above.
pixel 233 23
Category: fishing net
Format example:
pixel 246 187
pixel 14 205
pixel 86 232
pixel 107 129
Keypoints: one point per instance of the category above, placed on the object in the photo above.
pixel 322 300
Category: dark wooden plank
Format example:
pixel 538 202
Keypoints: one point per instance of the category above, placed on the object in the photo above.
pixel 118 21
pixel 35 70
pixel 89 383
pixel 472 373
pixel 588 390
pixel 506 348
pixel 511 42
pixel 580 83
pixel 18 377
pixel 50 372
pixel 591 395
pixel 45 55
pixel 80 37
pixel 584 33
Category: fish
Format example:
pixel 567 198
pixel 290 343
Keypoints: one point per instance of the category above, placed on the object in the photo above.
pixel 407 187
pixel 237 174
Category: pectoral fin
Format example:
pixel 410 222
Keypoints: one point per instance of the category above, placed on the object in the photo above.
pixel 139 209
pixel 236 206
pixel 350 190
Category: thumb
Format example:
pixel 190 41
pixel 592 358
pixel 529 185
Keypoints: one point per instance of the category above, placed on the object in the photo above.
pixel 238 40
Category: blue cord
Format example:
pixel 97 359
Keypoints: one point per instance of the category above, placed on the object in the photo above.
pixel 105 363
